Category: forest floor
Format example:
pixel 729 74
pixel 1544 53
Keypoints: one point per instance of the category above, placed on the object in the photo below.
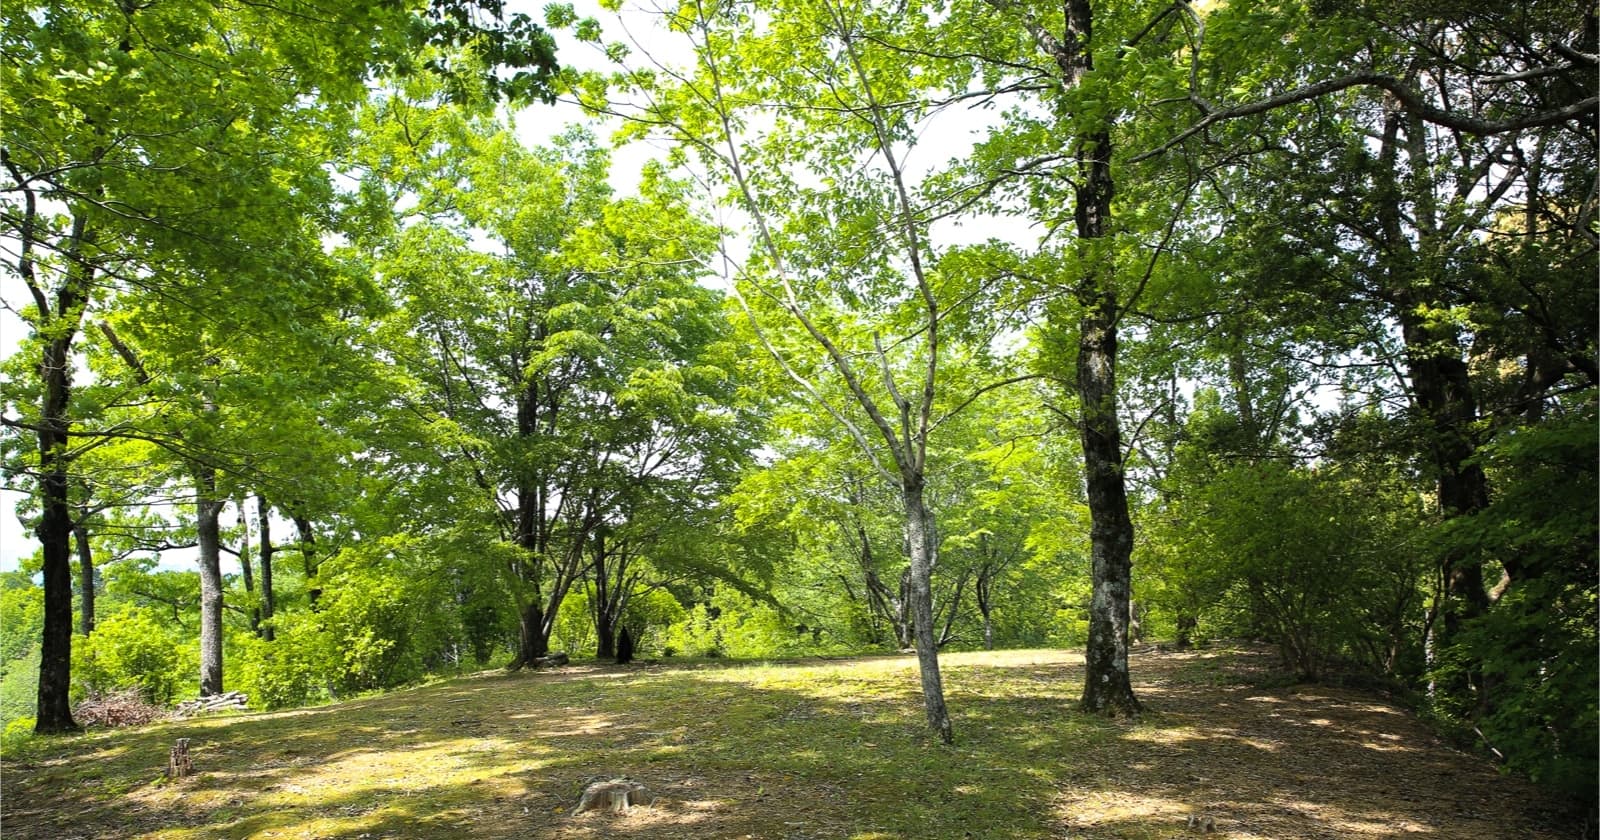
pixel 791 751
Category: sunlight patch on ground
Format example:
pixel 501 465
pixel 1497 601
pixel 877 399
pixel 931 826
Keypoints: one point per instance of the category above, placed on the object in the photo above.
pixel 1152 735
pixel 1115 811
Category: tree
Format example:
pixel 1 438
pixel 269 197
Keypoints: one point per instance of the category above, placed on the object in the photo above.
pixel 603 378
pixel 844 284
pixel 105 107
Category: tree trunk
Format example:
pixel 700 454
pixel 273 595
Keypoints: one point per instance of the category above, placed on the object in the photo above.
pixel 988 573
pixel 1188 623
pixel 1107 688
pixel 531 641
pixel 55 534
pixel 893 608
pixel 1443 390
pixel 54 712
pixel 208 510
pixel 250 585
pixel 1440 380
pixel 1106 685
pixel 308 557
pixel 606 631
pixel 605 617
pixel 267 550
pixel 920 537
pixel 80 535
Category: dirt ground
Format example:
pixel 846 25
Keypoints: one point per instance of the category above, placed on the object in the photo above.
pixel 813 750
pixel 1302 762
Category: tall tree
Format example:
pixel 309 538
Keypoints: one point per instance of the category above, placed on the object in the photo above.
pixel 106 106
pixel 603 372
pixel 843 288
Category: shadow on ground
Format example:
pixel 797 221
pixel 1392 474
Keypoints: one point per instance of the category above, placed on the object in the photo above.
pixel 812 750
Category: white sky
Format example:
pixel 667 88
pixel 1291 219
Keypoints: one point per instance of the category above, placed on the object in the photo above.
pixel 15 541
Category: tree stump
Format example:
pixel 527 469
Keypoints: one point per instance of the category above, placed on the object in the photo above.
pixel 178 763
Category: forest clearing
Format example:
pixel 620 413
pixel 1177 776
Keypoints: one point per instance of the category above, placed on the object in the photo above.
pixel 398 346
pixel 797 750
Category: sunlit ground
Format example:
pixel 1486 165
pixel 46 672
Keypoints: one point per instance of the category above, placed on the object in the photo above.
pixel 791 751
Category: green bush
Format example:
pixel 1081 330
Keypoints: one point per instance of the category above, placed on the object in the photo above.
pixel 696 635
pixel 292 670
pixel 21 618
pixel 574 630
pixel 1536 645
pixel 130 649
pixel 17 731
pixel 19 688
pixel 739 626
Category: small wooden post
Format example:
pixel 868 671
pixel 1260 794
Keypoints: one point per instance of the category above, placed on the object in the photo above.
pixel 178 763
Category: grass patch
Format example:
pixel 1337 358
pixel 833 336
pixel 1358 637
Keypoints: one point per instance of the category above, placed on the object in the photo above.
pixel 820 749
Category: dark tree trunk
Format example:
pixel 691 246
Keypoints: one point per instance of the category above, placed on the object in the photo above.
pixel 1106 686
pixel 1440 382
pixel 80 536
pixel 267 550
pixel 531 641
pixel 605 616
pixel 983 590
pixel 625 647
pixel 61 319
pixel 250 587
pixel 606 644
pixel 921 540
pixel 208 510
pixel 1188 623
pixel 55 534
pixel 54 712
pixel 308 557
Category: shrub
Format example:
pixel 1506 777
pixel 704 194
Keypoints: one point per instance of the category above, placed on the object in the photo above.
pixel 292 670
pixel 16 733
pixel 574 629
pixel 19 689
pixel 130 649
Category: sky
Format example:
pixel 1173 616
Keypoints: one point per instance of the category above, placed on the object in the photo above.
pixel 15 541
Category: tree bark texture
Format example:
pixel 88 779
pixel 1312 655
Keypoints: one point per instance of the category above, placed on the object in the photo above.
pixel 54 712
pixel 208 510
pixel 920 537
pixel 248 573
pixel 604 606
pixel 1107 688
pixel 267 550
pixel 531 641
pixel 80 536
pixel 308 558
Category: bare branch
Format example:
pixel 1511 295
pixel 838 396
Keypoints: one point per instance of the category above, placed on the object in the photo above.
pixel 1404 93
